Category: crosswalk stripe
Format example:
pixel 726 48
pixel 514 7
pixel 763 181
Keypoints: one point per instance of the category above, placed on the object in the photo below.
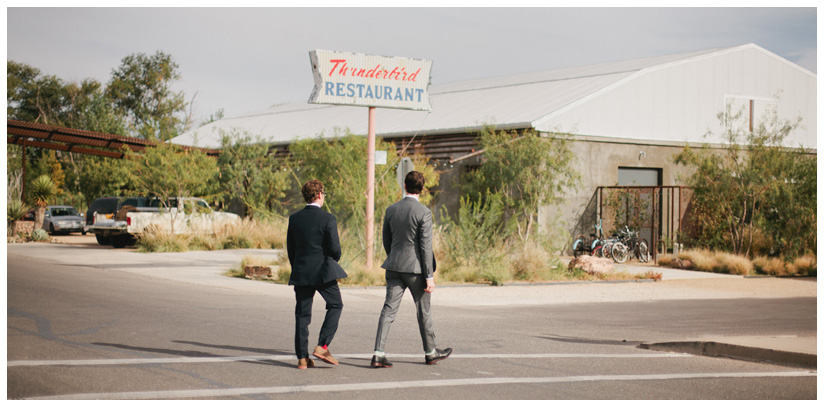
pixel 290 389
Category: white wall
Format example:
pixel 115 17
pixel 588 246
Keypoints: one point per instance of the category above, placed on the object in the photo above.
pixel 680 102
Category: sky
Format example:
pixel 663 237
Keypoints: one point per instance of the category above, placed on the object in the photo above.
pixel 247 59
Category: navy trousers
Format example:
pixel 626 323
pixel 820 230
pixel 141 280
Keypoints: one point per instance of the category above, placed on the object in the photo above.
pixel 303 315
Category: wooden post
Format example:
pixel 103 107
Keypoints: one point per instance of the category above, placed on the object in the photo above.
pixel 23 176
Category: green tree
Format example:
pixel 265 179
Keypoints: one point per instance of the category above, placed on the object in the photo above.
pixel 168 171
pixel 102 176
pixel 249 174
pixel 340 163
pixel 33 97
pixel 529 170
pixel 752 182
pixel 141 89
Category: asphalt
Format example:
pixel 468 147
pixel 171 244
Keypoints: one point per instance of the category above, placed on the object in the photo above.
pixel 209 268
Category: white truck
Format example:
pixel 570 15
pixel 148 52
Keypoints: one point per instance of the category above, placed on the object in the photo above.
pixel 186 215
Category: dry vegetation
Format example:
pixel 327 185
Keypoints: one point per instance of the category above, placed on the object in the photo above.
pixel 723 262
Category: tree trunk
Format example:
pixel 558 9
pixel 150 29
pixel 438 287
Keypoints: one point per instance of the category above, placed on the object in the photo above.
pixel 39 215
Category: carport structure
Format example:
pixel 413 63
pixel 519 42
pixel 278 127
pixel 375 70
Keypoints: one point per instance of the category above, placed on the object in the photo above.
pixel 28 134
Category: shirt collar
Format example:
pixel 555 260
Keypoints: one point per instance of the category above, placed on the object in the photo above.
pixel 413 197
pixel 314 205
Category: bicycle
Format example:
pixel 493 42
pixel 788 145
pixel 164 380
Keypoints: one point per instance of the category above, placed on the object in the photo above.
pixel 593 246
pixel 630 244
pixel 618 248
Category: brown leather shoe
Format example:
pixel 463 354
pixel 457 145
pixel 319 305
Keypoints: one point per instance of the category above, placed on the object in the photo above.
pixel 324 355
pixel 305 363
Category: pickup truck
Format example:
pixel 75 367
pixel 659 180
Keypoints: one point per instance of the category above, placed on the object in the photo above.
pixel 186 215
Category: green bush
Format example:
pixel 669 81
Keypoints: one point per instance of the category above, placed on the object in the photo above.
pixel 16 210
pixel 39 235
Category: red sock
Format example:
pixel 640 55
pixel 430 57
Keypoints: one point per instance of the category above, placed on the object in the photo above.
pixel 324 347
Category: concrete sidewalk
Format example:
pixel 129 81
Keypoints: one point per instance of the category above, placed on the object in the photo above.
pixel 208 268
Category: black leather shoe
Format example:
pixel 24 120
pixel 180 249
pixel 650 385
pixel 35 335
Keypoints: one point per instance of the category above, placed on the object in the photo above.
pixel 438 356
pixel 379 362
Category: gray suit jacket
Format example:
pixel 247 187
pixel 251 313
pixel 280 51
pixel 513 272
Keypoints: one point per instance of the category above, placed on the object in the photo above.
pixel 408 238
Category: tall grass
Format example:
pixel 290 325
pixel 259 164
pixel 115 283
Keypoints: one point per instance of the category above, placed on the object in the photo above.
pixel 723 262
pixel 247 233
pixel 459 260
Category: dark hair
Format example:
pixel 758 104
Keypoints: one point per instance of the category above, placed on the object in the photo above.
pixel 414 182
pixel 311 189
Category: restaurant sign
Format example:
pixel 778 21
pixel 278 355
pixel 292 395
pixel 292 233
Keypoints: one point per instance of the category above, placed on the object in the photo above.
pixel 343 78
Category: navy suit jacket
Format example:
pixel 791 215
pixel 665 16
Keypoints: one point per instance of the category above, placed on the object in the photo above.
pixel 313 248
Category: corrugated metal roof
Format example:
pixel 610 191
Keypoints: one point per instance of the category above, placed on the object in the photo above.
pixel 508 102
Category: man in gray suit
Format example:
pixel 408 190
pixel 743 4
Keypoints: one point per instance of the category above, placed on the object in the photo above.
pixel 408 241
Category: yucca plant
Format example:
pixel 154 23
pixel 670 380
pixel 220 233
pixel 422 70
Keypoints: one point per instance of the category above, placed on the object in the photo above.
pixel 15 210
pixel 42 191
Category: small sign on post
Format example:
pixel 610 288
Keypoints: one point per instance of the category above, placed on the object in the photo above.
pixel 380 157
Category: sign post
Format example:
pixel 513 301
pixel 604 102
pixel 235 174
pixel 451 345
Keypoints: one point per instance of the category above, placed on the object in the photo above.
pixel 345 78
pixel 370 188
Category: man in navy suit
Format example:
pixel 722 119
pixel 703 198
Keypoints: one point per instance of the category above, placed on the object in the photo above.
pixel 314 251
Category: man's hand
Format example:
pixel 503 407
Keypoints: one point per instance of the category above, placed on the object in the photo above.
pixel 430 285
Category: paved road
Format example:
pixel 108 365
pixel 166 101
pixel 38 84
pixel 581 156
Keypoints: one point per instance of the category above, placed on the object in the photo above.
pixel 135 326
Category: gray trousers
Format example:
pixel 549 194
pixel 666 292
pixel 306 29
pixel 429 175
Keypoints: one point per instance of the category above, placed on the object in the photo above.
pixel 397 284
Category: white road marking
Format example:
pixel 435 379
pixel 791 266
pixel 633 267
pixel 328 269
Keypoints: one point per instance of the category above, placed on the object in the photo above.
pixel 218 393
pixel 187 360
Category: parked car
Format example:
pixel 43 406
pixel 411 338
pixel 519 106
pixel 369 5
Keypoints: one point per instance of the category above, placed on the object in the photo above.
pixel 63 219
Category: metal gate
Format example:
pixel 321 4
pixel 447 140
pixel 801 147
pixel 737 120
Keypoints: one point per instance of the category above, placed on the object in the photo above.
pixel 658 212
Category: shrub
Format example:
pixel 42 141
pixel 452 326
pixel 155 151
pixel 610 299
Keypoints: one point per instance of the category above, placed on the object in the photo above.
pixel 530 262
pixel 656 276
pixel 236 241
pixel 203 242
pixel 16 210
pixel 270 234
pixel 806 265
pixel 732 264
pixel 769 266
pixel 153 239
pixel 665 259
pixel 39 235
pixel 803 266
pixel 495 269
pixel 702 259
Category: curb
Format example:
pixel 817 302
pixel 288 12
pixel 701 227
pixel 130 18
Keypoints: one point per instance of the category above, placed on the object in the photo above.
pixel 737 352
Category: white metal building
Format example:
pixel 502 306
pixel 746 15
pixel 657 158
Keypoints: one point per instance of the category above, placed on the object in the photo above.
pixel 671 98
pixel 623 116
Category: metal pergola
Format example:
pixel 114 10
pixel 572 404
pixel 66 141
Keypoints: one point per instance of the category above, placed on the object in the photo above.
pixel 29 134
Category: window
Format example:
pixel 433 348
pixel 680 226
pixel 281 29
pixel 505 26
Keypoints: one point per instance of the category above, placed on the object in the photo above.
pixel 746 113
pixel 631 176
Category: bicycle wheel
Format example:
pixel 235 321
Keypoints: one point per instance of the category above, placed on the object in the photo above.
pixel 644 251
pixel 606 246
pixel 619 252
pixel 579 246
